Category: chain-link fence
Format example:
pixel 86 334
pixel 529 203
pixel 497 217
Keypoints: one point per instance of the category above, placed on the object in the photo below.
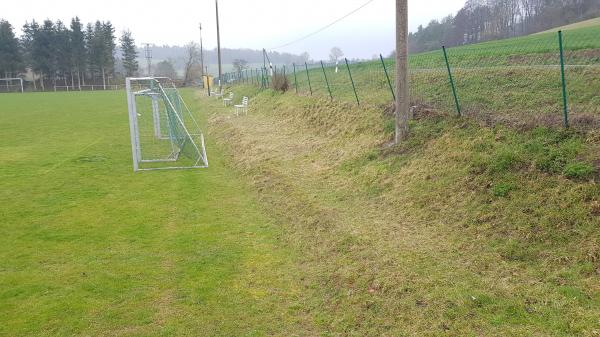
pixel 553 76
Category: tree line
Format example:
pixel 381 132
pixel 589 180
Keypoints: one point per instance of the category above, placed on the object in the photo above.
pixel 70 55
pixel 484 20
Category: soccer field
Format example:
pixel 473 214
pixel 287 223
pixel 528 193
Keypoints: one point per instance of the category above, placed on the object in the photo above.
pixel 90 248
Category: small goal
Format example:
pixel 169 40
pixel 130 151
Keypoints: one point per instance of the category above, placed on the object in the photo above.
pixel 164 132
pixel 14 84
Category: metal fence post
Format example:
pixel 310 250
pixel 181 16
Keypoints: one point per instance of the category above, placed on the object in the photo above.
pixel 564 80
pixel 267 77
pixel 352 80
pixel 295 78
pixel 388 77
pixel 451 81
pixel 308 76
pixel 326 80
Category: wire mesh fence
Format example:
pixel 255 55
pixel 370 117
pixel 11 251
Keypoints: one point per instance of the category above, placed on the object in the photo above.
pixel 554 75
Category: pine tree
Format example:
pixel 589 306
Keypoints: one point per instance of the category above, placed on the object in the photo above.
pixel 27 42
pixel 62 50
pixel 129 54
pixel 11 59
pixel 108 53
pixel 90 51
pixel 43 53
pixel 78 50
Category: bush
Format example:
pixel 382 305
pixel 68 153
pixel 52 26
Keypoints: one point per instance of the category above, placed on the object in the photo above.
pixel 280 82
pixel 578 170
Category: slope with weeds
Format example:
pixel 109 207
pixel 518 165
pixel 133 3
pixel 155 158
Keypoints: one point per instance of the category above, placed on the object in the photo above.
pixel 463 230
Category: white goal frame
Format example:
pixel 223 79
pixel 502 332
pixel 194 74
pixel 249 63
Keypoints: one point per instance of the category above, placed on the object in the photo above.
pixel 9 79
pixel 156 95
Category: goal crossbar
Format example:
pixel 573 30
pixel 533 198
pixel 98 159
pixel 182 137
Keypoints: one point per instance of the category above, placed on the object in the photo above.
pixel 8 80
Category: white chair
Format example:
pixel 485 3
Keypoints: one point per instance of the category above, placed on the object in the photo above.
pixel 216 94
pixel 242 107
pixel 229 100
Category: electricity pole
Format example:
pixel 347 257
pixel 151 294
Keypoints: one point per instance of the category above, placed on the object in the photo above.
pixel 201 54
pixel 202 64
pixel 402 98
pixel 219 48
pixel 148 54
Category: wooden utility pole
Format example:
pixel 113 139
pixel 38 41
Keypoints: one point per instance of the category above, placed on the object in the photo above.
pixel 219 48
pixel 201 54
pixel 402 93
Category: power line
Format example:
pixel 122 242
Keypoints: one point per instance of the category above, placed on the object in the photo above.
pixel 323 28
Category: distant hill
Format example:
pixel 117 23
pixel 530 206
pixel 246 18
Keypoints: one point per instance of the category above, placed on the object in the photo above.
pixel 480 21
pixel 254 57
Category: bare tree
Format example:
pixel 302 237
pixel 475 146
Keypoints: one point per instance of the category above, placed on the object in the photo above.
pixel 240 65
pixel 335 54
pixel 192 56
pixel 165 69
pixel 305 57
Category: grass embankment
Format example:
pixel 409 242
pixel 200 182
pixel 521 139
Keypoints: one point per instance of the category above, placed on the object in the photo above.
pixel 89 248
pixel 462 230
pixel 517 78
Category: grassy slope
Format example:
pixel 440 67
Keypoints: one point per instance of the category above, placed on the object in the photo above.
pixel 517 77
pixel 462 231
pixel 577 25
pixel 89 248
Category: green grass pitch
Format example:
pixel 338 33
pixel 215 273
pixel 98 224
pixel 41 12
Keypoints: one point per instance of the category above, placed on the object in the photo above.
pixel 87 247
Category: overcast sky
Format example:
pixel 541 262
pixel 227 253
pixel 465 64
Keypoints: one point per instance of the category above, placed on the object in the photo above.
pixel 252 24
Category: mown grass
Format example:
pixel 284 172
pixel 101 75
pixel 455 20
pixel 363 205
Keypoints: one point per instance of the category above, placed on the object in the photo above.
pixel 462 230
pixel 89 248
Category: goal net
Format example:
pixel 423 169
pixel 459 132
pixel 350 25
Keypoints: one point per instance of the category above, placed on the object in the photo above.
pixel 11 84
pixel 164 133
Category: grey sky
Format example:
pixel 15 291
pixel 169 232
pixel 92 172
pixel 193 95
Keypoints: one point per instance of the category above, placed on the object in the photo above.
pixel 245 24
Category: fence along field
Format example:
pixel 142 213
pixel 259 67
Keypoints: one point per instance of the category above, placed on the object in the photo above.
pixel 519 78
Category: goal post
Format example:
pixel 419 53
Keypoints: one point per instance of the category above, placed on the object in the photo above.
pixel 164 132
pixel 7 84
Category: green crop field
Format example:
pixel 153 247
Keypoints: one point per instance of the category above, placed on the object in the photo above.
pixel 519 77
pixel 89 248
pixel 581 24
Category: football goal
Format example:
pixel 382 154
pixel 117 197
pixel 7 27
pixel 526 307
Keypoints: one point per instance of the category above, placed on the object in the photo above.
pixel 11 84
pixel 164 132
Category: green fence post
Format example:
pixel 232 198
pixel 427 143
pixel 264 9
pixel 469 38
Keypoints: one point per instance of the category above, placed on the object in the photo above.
pixel 295 79
pixel 308 76
pixel 262 74
pixel 451 81
pixel 564 80
pixel 267 77
pixel 388 77
pixel 352 80
pixel 326 80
